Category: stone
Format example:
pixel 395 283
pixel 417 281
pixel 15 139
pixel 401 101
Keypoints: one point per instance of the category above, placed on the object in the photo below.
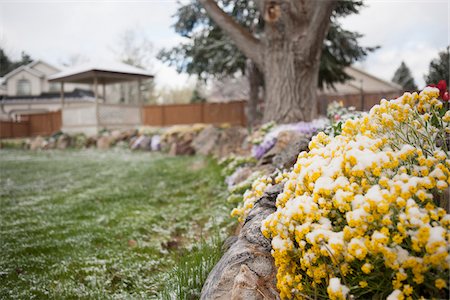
pixel 181 148
pixel 38 143
pixel 288 156
pixel 143 142
pixel 155 144
pixel 286 149
pixel 79 141
pixel 104 142
pixel 63 141
pixel 247 269
pixel 240 175
pixel 205 142
pixel 173 149
pixel 117 135
pixel 51 144
pixel 230 141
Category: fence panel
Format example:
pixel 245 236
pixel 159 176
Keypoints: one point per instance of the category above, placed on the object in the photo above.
pixel 152 115
pixel 212 113
pixel 360 102
pixel 183 114
pixel 11 129
pixel 31 125
pixel 45 123
pixel 233 113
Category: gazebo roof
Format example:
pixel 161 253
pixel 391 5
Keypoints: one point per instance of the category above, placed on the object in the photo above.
pixel 105 72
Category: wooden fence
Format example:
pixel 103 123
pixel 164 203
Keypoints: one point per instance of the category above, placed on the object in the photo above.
pixel 43 124
pixel 211 113
pixel 360 102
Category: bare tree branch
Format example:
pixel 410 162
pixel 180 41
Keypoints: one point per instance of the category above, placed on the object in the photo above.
pixel 244 40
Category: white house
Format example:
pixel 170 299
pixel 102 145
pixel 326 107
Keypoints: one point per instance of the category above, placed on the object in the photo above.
pixel 31 80
pixel 27 90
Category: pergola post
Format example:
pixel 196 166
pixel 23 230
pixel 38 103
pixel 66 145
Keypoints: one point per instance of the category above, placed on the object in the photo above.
pixel 62 94
pixel 140 104
pixel 104 92
pixel 97 113
pixel 139 92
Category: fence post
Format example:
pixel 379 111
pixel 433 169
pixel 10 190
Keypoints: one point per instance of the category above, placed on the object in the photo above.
pixel 163 115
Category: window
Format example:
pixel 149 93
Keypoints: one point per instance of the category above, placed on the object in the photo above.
pixel 23 87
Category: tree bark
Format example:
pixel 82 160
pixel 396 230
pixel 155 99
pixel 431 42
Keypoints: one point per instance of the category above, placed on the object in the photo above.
pixel 294 34
pixel 256 81
pixel 288 53
pixel 244 40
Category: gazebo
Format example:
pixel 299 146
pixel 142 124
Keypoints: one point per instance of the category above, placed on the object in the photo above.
pixel 93 116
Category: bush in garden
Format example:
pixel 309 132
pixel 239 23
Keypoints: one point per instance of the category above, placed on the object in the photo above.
pixel 359 216
pixel 337 113
pixel 257 189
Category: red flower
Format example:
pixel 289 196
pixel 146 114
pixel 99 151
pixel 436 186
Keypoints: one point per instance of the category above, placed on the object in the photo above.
pixel 445 97
pixel 442 87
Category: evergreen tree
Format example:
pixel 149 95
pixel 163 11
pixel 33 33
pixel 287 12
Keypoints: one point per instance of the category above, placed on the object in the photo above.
pixel 439 68
pixel 7 65
pixel 403 77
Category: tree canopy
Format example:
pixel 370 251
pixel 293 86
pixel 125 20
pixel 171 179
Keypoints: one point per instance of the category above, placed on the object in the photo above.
pixel 439 68
pixel 403 77
pixel 209 52
pixel 7 64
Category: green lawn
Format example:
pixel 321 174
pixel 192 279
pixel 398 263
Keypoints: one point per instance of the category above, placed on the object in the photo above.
pixel 96 225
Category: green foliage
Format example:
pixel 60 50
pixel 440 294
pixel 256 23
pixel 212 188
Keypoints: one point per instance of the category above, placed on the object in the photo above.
pixel 98 225
pixel 232 162
pixel 404 78
pixel 197 96
pixel 7 65
pixel 210 53
pixel 192 269
pixel 439 68
pixel 12 144
pixel 338 114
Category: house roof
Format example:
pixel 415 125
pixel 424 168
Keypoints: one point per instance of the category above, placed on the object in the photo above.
pixel 361 81
pixel 35 62
pixel 25 68
pixel 29 68
pixel 237 88
pixel 105 72
pixel 76 94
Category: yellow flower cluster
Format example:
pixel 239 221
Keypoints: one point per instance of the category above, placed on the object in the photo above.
pixel 358 215
pixel 259 186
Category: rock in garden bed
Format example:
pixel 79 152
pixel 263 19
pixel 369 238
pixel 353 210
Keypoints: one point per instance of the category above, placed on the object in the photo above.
pixel 247 270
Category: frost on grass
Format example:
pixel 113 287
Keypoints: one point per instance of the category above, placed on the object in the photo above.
pixel 97 224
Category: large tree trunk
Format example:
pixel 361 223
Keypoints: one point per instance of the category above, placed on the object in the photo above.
pixel 291 85
pixel 288 52
pixel 256 81
pixel 294 33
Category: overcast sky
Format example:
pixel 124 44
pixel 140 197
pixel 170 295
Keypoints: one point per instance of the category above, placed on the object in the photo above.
pixel 413 31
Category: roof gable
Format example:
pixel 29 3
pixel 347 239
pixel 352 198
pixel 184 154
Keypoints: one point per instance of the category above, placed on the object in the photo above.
pixel 383 83
pixel 23 68
pixel 34 63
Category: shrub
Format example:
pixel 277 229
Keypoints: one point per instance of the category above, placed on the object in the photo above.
pixel 358 215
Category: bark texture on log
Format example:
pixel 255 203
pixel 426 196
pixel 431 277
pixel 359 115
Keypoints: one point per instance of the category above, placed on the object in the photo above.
pixel 247 270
